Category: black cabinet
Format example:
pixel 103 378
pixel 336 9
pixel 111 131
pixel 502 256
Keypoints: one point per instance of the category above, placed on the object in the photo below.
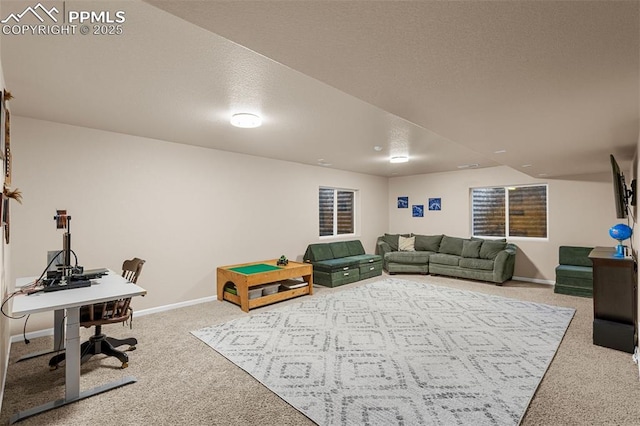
pixel 614 300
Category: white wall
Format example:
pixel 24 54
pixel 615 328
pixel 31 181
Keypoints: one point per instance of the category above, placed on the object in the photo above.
pixel 187 210
pixel 580 212
pixel 184 209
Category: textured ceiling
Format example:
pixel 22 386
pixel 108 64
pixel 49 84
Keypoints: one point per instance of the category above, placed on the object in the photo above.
pixel 555 84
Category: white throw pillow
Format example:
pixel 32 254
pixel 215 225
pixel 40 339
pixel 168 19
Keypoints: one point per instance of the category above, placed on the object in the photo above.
pixel 406 243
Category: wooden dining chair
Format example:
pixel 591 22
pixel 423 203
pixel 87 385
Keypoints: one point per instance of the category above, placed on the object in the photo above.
pixel 99 314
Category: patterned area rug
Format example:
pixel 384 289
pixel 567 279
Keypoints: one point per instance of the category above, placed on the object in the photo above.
pixel 396 352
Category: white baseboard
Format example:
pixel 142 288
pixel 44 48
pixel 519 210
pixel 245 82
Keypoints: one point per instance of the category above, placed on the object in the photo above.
pixel 149 311
pixel 534 280
pixel 32 335
pixel 143 312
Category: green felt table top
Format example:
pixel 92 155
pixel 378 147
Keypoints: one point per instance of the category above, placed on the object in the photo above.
pixel 254 269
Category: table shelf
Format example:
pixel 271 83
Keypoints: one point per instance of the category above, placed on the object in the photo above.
pixel 268 299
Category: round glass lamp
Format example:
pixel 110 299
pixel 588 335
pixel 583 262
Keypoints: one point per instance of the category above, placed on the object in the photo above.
pixel 399 159
pixel 246 120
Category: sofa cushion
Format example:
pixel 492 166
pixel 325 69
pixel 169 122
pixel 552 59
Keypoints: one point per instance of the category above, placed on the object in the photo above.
pixel 355 248
pixel 577 256
pixel 490 249
pixel 444 259
pixel 336 278
pixel 412 257
pixel 332 265
pixel 504 240
pixel 392 240
pixel 471 249
pixel 339 249
pixel 484 264
pixel 427 242
pixel 569 271
pixel 363 259
pixel 451 245
pixel 406 243
pixel 316 252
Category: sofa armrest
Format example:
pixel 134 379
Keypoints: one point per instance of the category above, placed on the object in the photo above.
pixel 382 247
pixel 504 264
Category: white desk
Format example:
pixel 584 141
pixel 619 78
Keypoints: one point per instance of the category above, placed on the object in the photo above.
pixel 110 287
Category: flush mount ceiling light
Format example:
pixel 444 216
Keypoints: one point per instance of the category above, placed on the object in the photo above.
pixel 399 159
pixel 246 120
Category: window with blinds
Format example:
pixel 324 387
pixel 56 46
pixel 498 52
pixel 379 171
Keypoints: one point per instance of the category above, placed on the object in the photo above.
pixel 519 211
pixel 336 211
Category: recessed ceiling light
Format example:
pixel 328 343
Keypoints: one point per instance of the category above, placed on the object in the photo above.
pixel 524 166
pixel 543 174
pixel 377 148
pixel 500 151
pixel 246 120
pixel 399 159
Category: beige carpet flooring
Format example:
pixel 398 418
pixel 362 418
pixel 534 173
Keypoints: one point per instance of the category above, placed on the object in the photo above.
pixel 181 381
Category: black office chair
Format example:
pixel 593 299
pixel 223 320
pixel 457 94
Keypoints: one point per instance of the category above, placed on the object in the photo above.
pixel 107 313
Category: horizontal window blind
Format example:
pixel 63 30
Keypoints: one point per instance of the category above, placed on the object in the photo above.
pixel 528 211
pixel 326 211
pixel 345 212
pixel 488 212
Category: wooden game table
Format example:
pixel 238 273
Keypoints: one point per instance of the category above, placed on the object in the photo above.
pixel 250 275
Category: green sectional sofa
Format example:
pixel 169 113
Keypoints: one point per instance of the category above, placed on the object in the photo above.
pixel 341 262
pixel 574 274
pixel 472 258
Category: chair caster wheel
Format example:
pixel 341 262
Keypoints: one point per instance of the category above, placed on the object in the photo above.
pixel 124 365
pixel 53 367
pixel 131 348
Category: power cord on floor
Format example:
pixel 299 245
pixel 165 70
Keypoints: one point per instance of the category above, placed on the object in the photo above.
pixel 24 331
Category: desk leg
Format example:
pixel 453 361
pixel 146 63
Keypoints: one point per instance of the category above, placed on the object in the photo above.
pixel 72 373
pixel 58 337
pixel 58 330
pixel 72 354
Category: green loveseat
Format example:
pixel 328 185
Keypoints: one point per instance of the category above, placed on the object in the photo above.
pixel 473 258
pixel 574 274
pixel 341 262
